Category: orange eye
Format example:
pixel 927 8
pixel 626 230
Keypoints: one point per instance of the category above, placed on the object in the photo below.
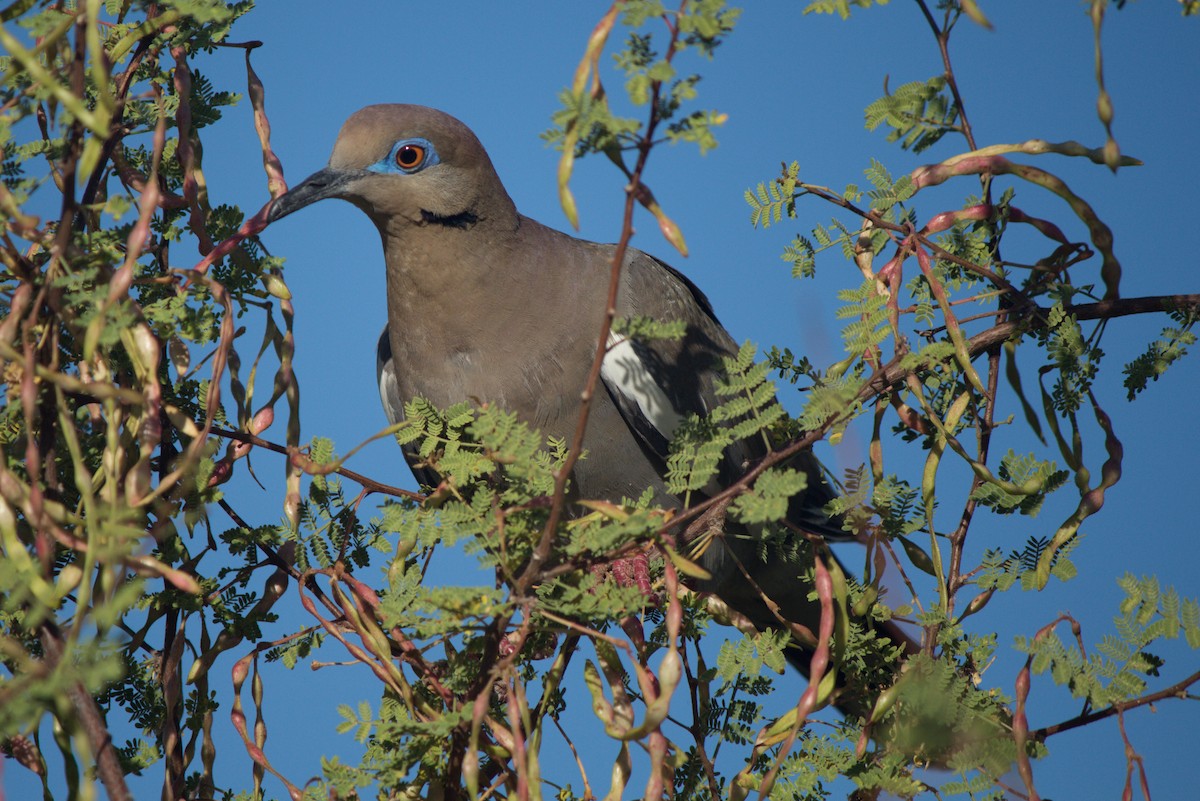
pixel 409 157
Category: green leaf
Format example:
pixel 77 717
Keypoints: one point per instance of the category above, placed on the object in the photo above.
pixel 918 114
pixel 1161 354
pixel 767 500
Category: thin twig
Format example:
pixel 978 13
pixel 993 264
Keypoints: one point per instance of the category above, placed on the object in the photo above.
pixel 942 35
pixel 883 380
pixel 542 552
pixel 1177 690
pixel 367 483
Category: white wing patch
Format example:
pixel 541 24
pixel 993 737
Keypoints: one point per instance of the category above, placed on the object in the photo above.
pixel 625 371
pixel 385 375
pixel 387 388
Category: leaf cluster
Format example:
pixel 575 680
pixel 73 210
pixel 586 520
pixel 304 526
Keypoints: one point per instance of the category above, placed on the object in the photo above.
pixel 1122 664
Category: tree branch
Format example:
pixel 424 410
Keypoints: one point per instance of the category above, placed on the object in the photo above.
pixel 1177 690
pixel 108 763
pixel 893 373
pixel 368 483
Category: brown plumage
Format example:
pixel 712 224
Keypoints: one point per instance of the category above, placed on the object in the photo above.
pixel 489 305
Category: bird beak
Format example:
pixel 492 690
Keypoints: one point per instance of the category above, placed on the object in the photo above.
pixel 323 184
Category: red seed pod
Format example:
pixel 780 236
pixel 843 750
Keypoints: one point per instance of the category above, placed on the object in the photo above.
pixel 262 420
pixel 221 472
pixel 26 753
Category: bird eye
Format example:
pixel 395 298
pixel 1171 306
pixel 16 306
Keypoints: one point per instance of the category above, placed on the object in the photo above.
pixel 409 157
pixel 406 157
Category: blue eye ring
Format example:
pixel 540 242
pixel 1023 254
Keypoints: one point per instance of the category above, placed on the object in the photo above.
pixel 407 156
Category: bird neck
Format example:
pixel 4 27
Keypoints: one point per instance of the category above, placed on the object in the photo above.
pixel 469 273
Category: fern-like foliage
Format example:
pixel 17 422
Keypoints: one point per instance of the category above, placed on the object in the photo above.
pixel 1039 477
pixel 896 503
pixel 751 407
pixel 918 114
pixel 802 256
pixel 1161 353
pixel 1075 357
pixel 840 7
pixel 748 409
pixel 866 310
pixel 941 714
pixel 770 201
pixel 648 328
pixel 767 500
pixel 1020 567
pixel 329 527
pixel 697 448
pixel 749 655
pixel 790 367
pixel 887 192
pixel 1121 665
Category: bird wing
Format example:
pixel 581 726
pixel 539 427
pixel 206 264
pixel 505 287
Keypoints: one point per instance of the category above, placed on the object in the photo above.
pixel 655 384
pixel 385 374
pixel 393 406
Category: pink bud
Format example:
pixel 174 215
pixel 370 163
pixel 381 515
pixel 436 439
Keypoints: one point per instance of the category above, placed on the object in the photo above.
pixel 262 420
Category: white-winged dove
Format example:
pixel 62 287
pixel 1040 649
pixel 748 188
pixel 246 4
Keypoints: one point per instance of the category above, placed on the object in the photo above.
pixel 489 305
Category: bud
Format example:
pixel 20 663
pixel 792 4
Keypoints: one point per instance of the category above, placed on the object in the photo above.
pixel 262 420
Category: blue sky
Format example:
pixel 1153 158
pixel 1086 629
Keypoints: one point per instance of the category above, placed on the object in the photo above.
pixel 794 88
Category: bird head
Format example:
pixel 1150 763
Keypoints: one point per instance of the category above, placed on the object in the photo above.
pixel 407 165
